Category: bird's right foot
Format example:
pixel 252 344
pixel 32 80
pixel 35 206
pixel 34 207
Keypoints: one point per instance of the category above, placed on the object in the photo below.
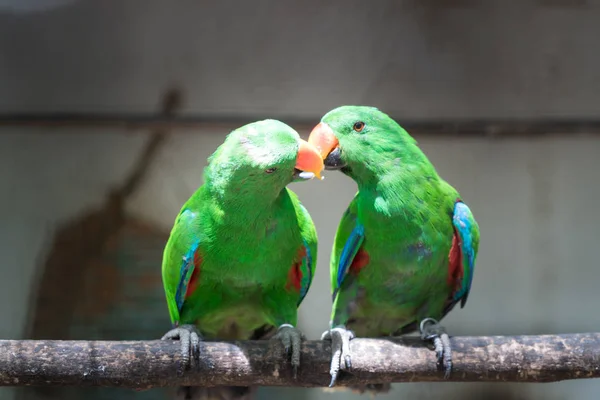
pixel 190 338
pixel 431 330
pixel 292 339
pixel 340 350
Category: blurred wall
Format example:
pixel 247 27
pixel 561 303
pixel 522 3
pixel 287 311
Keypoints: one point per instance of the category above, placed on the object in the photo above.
pixel 535 199
pixel 418 58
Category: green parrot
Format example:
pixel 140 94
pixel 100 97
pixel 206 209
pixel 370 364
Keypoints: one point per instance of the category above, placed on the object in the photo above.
pixel 404 252
pixel 242 252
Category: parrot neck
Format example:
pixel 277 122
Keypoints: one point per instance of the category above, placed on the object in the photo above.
pixel 393 196
pixel 395 174
pixel 386 188
pixel 244 203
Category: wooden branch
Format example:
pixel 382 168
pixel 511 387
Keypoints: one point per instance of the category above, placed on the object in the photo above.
pixel 198 123
pixel 147 364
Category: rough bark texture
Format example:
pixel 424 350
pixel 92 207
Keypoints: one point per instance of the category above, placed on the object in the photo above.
pixel 147 364
pixel 485 127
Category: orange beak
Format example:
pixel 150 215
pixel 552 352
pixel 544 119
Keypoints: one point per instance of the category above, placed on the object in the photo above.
pixel 309 159
pixel 323 139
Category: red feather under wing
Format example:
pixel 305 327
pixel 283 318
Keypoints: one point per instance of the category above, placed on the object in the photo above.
pixel 295 273
pixel 361 260
pixel 195 278
pixel 455 264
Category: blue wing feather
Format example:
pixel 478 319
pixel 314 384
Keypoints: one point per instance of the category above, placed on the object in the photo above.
pixel 187 266
pixel 349 251
pixel 468 231
pixel 185 274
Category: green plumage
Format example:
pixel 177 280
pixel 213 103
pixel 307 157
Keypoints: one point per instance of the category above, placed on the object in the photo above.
pixel 249 229
pixel 405 247
pixel 242 246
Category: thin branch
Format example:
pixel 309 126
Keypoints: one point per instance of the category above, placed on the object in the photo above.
pixel 146 364
pixel 197 123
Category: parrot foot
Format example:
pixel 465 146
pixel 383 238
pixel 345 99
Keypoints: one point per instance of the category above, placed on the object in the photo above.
pixel 292 339
pixel 190 338
pixel 340 338
pixel 431 330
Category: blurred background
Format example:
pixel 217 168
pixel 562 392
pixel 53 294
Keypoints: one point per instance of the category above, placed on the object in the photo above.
pixel 504 98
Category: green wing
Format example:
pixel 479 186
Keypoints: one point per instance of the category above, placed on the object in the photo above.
pixel 182 259
pixel 310 243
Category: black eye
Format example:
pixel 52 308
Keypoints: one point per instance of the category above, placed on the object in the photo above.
pixel 359 126
pixel 270 170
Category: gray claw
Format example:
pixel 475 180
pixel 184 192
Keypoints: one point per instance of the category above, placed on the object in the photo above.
pixel 190 338
pixel 431 330
pixel 340 350
pixel 292 340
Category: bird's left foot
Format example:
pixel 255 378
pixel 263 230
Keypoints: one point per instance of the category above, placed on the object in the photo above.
pixel 431 330
pixel 190 339
pixel 291 338
pixel 341 358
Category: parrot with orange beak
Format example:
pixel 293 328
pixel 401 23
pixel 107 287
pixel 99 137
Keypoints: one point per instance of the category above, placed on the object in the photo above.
pixel 405 249
pixel 242 252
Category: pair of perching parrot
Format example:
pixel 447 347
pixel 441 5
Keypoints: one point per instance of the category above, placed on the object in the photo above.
pixel 242 253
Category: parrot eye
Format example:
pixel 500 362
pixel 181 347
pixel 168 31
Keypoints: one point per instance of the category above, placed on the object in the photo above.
pixel 359 126
pixel 270 170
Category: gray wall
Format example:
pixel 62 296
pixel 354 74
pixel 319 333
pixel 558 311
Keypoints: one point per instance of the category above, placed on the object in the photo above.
pixel 419 59
pixel 535 199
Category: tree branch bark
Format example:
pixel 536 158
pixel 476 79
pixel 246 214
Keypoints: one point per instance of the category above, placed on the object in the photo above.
pixel 147 364
pixel 196 123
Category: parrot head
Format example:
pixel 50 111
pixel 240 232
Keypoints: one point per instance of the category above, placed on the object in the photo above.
pixel 359 138
pixel 261 156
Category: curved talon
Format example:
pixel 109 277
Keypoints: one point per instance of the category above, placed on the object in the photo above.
pixel 291 338
pixel 340 350
pixel 431 330
pixel 190 338
pixel 447 355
